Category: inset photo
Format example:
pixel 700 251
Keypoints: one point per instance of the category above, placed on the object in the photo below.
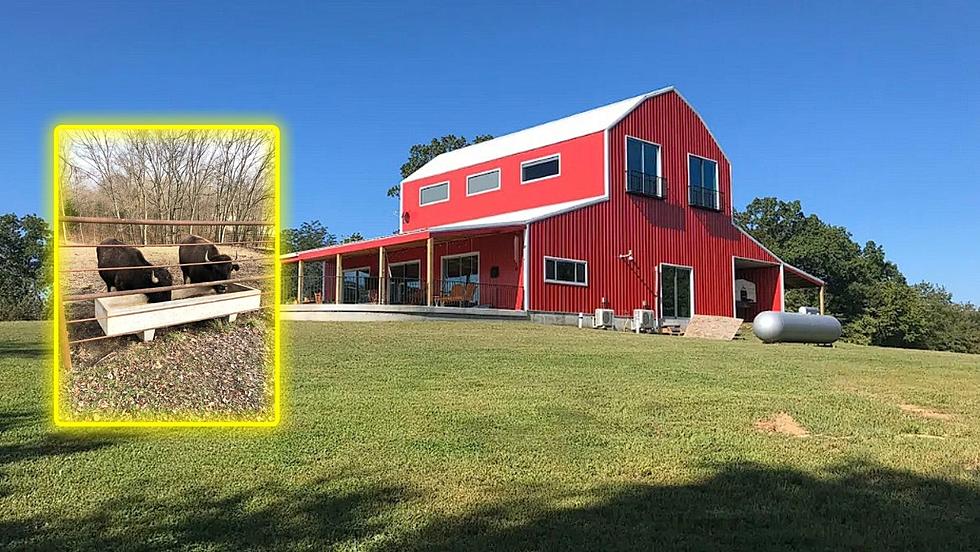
pixel 166 286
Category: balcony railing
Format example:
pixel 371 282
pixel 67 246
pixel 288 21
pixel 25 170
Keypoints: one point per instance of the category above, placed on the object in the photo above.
pixel 411 291
pixel 642 183
pixel 705 198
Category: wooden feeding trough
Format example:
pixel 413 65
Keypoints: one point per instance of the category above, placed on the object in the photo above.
pixel 133 314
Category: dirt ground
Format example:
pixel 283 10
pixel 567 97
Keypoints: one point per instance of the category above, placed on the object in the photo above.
pixel 204 370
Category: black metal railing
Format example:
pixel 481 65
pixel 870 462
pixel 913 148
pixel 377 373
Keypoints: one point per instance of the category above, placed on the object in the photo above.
pixel 453 292
pixel 705 198
pixel 642 183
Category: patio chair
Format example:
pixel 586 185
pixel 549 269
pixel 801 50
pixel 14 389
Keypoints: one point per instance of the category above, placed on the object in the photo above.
pixel 456 296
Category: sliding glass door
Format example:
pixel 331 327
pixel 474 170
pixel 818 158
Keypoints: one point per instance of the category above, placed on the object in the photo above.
pixel 676 292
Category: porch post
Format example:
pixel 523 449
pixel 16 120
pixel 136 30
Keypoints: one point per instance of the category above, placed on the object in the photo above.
pixel 323 281
pixel 299 282
pixel 338 297
pixel 821 300
pixel 428 271
pixel 381 275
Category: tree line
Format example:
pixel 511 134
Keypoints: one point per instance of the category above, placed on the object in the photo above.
pixel 214 175
pixel 867 292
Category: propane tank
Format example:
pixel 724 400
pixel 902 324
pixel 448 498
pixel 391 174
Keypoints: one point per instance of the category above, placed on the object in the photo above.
pixel 792 327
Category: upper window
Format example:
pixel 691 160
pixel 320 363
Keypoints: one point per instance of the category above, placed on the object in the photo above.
pixel 483 182
pixel 703 179
pixel 643 168
pixel 539 169
pixel 566 271
pixel 436 193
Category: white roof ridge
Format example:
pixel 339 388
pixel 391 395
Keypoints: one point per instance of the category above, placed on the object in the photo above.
pixel 552 132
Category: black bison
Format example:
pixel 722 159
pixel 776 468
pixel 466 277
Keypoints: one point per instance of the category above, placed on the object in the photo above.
pixel 113 253
pixel 195 249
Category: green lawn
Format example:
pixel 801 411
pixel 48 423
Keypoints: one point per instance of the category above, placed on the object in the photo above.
pixel 513 437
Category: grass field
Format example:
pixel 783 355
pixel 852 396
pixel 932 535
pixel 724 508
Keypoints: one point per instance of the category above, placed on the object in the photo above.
pixel 518 437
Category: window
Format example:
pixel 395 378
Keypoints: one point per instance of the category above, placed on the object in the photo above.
pixel 483 182
pixel 436 193
pixel 539 169
pixel 404 284
pixel 566 271
pixel 676 291
pixel 703 179
pixel 358 284
pixel 461 270
pixel 643 168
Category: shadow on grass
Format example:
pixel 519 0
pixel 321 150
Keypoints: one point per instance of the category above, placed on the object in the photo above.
pixel 742 506
pixel 28 351
pixel 326 513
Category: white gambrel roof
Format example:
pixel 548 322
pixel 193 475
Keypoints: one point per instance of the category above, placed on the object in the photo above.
pixel 517 218
pixel 581 124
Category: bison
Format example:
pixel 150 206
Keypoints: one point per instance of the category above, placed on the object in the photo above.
pixel 114 254
pixel 195 249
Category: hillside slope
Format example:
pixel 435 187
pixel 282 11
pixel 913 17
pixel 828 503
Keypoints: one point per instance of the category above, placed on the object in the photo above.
pixel 516 436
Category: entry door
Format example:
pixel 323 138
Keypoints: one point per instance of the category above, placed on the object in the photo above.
pixel 405 287
pixel 676 293
pixel 461 270
pixel 356 285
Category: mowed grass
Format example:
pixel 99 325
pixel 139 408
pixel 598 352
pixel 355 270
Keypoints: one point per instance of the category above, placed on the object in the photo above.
pixel 517 437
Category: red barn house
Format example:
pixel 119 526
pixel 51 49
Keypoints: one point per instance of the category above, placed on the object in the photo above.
pixel 625 206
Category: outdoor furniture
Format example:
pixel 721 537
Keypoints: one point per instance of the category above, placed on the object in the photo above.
pixel 455 297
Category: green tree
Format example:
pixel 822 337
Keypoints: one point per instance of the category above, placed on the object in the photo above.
pixel 25 267
pixel 864 289
pixel 355 237
pixel 309 235
pixel 420 154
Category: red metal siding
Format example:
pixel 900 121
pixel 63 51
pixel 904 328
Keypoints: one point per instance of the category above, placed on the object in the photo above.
pixel 656 231
pixel 581 177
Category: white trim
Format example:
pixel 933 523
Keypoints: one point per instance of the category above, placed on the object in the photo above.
pixel 519 218
pixel 660 287
pixel 734 291
pixel 442 263
pixel 717 182
pixel 626 165
pixel 540 160
pixel 544 265
pixel 355 269
pixel 401 263
pixel 782 293
pixel 499 179
pixel 527 266
pixel 427 186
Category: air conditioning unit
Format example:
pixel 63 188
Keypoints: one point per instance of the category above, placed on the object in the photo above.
pixel 809 310
pixel 644 319
pixel 604 318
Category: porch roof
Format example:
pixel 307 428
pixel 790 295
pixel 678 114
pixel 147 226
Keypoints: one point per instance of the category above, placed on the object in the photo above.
pixel 398 241
pixel 797 278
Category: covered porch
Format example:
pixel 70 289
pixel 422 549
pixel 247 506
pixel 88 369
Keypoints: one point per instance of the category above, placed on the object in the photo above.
pixel 760 286
pixel 458 269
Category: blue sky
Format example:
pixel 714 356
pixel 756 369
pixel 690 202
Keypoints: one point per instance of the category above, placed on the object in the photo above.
pixel 869 114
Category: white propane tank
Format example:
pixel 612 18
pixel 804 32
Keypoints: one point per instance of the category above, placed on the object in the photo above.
pixel 792 327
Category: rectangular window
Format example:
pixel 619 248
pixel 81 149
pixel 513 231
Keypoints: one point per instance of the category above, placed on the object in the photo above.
pixel 676 289
pixel 435 193
pixel 643 168
pixel 539 169
pixel 566 271
pixel 483 182
pixel 703 180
